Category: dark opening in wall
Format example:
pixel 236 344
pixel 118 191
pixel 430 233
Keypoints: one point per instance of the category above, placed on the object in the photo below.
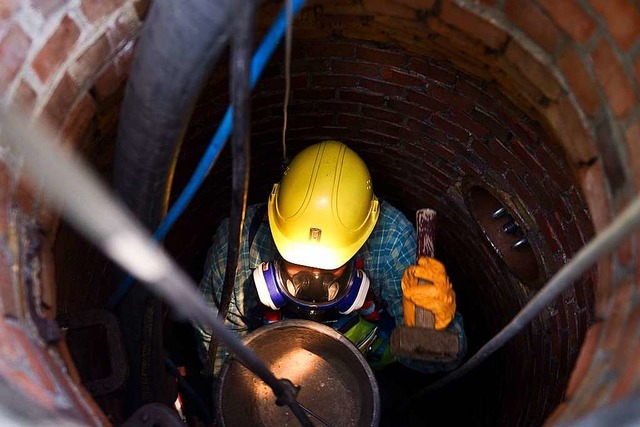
pixel 437 96
pixel 503 230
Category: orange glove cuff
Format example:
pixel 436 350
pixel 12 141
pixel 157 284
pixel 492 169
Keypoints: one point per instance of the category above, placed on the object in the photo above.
pixel 426 285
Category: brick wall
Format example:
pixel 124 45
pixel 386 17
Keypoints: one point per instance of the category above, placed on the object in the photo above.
pixel 535 100
pixel 59 60
pixel 429 134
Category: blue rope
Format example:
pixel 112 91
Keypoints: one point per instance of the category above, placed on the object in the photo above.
pixel 260 58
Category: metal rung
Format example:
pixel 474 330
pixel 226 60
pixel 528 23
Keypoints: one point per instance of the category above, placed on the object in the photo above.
pixel 510 227
pixel 499 212
pixel 520 243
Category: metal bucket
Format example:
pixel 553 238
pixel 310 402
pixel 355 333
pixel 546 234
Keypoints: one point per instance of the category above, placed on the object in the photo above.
pixel 336 382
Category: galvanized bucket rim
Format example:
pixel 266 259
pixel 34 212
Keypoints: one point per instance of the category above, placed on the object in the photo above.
pixel 306 324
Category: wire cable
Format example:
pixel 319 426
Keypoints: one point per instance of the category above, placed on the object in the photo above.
pixel 69 183
pixel 260 59
pixel 240 157
pixel 287 78
pixel 605 242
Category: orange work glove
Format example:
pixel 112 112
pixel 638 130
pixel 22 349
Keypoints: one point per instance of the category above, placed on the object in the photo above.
pixel 426 285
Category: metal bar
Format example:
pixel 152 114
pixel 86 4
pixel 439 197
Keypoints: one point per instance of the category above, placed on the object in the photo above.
pixel 69 183
pixel 605 242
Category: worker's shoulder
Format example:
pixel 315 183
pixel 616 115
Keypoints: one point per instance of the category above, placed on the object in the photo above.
pixel 390 216
pixel 392 226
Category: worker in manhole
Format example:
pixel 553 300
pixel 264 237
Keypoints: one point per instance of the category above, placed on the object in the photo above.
pixel 325 248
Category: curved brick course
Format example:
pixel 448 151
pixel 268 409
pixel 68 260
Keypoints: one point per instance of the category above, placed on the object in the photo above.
pixel 536 100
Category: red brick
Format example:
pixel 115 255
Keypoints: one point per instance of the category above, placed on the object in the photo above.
pixel 334 81
pixel 633 148
pixel 625 252
pixel 25 96
pixel 636 68
pixel 536 72
pixel 7 7
pixel 451 129
pixel 338 106
pixel 380 56
pixel 417 4
pixel 91 60
pixel 330 50
pixel 313 94
pixel 56 49
pixel 570 17
pixel 449 97
pixel 95 10
pixel 306 65
pixel 47 7
pixel 613 79
pixel 433 71
pixel 381 87
pixel 616 318
pixel 423 127
pixel 381 114
pixel 532 20
pixel 113 76
pixel 571 132
pixel 78 120
pixel 356 68
pixel 402 79
pixel 459 47
pixel 24 195
pixel 548 233
pixel 13 50
pixel 622 18
pixel 573 68
pixel 587 352
pixel 62 99
pixel 426 101
pixel 142 7
pixel 357 122
pixel 278 83
pixel 629 368
pixel 472 126
pixel 389 8
pixel 362 98
pixel 407 109
pixel 5 201
pixel 299 121
pixel 474 25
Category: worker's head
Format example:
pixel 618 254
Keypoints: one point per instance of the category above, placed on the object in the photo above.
pixel 320 214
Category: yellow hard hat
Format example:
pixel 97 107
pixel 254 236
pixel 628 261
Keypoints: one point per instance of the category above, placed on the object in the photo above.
pixel 324 208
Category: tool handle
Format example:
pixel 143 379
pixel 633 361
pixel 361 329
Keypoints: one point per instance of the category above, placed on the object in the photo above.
pixel 426 231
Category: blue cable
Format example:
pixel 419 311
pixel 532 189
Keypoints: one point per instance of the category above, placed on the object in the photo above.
pixel 259 61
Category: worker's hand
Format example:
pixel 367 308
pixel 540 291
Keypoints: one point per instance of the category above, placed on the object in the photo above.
pixel 426 285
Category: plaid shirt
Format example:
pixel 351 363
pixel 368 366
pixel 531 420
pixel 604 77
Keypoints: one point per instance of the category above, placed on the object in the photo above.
pixel 390 248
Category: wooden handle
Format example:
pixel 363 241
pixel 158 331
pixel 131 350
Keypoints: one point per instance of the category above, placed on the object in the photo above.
pixel 426 231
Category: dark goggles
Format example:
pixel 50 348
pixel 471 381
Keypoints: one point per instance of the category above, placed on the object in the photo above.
pixel 314 287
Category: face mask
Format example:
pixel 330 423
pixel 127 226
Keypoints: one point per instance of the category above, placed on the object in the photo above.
pixel 313 287
pixel 280 283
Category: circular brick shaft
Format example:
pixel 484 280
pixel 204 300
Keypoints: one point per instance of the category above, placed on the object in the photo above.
pixel 535 103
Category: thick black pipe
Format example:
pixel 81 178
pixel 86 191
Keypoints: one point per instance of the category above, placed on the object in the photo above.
pixel 178 47
pixel 240 87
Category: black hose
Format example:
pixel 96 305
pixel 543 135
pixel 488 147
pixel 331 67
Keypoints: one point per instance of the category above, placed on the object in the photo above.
pixel 241 47
pixel 178 47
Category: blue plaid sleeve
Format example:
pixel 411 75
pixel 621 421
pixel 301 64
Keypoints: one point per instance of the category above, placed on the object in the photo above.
pixel 244 295
pixel 402 254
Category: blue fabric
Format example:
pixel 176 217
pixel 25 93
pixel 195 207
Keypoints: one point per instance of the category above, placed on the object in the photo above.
pixel 390 248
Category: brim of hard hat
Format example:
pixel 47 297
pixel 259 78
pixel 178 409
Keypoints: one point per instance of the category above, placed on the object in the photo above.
pixel 314 254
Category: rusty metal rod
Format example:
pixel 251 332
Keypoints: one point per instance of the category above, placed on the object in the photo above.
pixel 605 242
pixel 90 208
